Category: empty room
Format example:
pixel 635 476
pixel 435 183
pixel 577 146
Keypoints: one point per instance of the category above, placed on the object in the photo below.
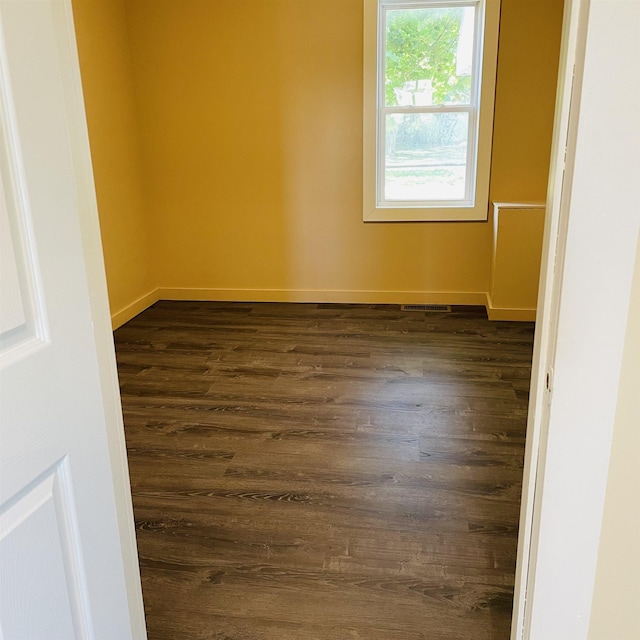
pixel 303 333
pixel 308 459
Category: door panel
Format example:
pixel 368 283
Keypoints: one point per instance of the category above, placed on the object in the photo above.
pixel 42 519
pixel 22 321
pixel 67 568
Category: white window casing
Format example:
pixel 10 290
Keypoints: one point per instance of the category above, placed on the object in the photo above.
pixel 474 205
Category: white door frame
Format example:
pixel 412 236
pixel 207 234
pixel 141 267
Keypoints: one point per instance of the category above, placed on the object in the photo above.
pixel 589 252
pixel 562 155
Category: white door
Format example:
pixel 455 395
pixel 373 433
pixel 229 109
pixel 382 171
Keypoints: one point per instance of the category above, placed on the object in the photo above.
pixel 68 566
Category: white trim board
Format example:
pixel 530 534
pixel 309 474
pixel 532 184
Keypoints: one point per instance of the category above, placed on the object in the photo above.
pixel 474 298
pixel 132 310
pixel 590 254
pixel 508 313
pixel 324 295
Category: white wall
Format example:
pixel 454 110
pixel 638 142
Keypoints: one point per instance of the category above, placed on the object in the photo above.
pixel 616 598
pixel 596 278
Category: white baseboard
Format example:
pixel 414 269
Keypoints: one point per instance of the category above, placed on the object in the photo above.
pixel 508 313
pixel 322 296
pixel 132 310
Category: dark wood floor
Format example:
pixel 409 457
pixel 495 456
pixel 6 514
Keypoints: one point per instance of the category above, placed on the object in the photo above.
pixel 324 472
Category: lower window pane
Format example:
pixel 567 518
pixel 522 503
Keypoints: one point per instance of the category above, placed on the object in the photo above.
pixel 426 156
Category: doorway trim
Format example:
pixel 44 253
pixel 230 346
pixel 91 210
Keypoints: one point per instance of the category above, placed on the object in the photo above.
pixel 588 258
pixel 562 155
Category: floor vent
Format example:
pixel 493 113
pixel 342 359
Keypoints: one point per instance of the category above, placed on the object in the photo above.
pixel 427 307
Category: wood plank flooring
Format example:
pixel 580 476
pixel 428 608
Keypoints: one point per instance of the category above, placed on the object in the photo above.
pixel 324 472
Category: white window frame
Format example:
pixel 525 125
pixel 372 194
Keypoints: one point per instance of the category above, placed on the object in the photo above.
pixel 475 206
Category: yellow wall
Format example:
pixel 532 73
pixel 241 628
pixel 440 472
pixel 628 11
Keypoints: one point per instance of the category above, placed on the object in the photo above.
pixel 252 144
pixel 249 143
pixel 113 131
pixel 525 99
pixel 523 122
pixel 517 251
pixel 615 614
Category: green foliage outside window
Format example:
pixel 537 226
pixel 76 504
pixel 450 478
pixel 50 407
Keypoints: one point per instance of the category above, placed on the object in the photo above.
pixel 422 68
pixel 422 45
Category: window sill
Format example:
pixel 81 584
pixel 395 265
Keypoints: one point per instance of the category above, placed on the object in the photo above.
pixel 410 214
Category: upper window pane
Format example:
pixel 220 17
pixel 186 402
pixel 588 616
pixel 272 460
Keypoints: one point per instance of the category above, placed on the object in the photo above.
pixel 429 56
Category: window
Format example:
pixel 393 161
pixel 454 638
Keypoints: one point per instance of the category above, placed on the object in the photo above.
pixel 429 84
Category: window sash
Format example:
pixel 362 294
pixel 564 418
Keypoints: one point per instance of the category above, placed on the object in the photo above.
pixel 384 6
pixel 470 175
pixel 472 108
